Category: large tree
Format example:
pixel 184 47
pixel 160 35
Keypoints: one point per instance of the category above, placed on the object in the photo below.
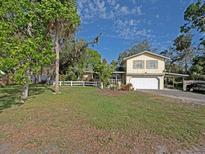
pixel 62 20
pixel 195 16
pixel 30 30
pixel 195 20
pixel 76 57
pixel 104 70
pixel 198 67
pixel 24 45
pixel 72 54
pixel 87 62
pixel 136 48
pixel 173 65
pixel 183 46
pixel 91 59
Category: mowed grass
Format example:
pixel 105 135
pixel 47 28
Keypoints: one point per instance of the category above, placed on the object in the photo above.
pixel 129 112
pixel 10 95
pixel 140 112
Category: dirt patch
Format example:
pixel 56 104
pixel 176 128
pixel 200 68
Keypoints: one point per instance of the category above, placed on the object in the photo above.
pixel 83 138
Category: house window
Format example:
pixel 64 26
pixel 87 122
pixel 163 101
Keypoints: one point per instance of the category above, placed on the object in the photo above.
pixel 152 64
pixel 138 64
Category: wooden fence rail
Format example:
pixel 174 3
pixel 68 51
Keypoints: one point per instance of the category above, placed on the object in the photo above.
pixel 78 83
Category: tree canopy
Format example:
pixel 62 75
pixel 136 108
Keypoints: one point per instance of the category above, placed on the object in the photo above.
pixel 194 17
pixel 30 31
pixel 104 70
pixel 198 66
pixel 77 58
pixel 24 45
pixel 136 48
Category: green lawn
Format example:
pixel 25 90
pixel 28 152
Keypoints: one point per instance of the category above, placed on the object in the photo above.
pixel 80 118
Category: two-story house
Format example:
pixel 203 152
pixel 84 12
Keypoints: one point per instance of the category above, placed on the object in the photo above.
pixel 145 70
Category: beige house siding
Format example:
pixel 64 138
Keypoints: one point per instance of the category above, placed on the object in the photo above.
pixel 145 73
pixel 145 57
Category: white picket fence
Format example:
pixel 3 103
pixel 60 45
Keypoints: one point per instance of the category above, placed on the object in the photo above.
pixel 78 83
pixel 115 81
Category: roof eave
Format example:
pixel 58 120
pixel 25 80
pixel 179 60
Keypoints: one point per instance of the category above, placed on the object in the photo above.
pixel 146 52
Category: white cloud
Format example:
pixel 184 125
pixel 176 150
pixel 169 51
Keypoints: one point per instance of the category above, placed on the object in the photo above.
pixel 134 22
pixel 128 29
pixel 124 17
pixel 124 10
pixel 105 9
pixel 117 6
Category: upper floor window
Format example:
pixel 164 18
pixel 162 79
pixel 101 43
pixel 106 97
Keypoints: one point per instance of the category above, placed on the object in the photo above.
pixel 138 64
pixel 152 64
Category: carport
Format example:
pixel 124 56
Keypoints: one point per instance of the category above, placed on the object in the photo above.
pixel 171 78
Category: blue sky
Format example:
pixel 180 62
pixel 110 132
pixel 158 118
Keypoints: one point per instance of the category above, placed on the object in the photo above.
pixel 124 22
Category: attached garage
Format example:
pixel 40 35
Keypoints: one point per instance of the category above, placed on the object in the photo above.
pixel 145 70
pixel 145 83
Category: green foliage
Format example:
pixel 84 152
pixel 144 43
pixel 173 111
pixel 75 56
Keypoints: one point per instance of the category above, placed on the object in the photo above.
pixel 182 53
pixel 136 48
pixel 198 66
pixel 24 47
pixel 60 16
pixel 27 28
pixel 104 71
pixel 76 57
pixel 184 50
pixel 183 42
pixel 86 62
pixel 91 59
pixel 140 47
pixel 194 15
pixel 173 65
pixel 72 54
pixel 75 72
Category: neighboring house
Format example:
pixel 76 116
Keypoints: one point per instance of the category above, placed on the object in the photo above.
pixel 145 70
pixel 88 75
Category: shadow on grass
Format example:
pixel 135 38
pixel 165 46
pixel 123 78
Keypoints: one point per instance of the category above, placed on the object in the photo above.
pixel 11 95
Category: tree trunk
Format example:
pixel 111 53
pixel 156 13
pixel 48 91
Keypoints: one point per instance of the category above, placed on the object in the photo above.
pixel 186 66
pixel 25 92
pixel 26 85
pixel 57 51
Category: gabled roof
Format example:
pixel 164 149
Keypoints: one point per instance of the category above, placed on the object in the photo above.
pixel 152 53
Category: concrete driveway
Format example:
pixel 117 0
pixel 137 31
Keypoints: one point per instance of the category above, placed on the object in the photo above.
pixel 187 97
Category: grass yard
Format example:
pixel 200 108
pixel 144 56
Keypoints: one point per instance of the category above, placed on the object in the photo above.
pixel 88 120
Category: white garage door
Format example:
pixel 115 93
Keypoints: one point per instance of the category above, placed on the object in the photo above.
pixel 144 83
